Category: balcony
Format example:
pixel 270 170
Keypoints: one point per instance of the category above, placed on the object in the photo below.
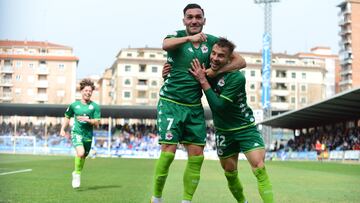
pixel 41 97
pixel 6 82
pixel 42 70
pixel 280 92
pixel 141 101
pixel 142 87
pixel 7 69
pixel 344 32
pixel 345 82
pixel 6 96
pixel 42 84
pixel 346 72
pixel 280 105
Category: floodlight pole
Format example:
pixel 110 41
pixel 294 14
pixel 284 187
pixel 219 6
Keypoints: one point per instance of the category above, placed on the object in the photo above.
pixel 266 67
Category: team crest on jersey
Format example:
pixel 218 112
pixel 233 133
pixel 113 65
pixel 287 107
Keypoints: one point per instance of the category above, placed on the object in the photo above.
pixel 221 82
pixel 204 49
pixel 91 107
pixel 220 152
pixel 168 135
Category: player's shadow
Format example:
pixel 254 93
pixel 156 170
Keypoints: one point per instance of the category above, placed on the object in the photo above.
pixel 98 187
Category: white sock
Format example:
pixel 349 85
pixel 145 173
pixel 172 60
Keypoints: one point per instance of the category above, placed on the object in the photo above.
pixel 186 201
pixel 156 199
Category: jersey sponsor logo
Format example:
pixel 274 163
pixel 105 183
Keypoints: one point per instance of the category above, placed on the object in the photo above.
pixel 91 107
pixel 191 50
pixel 204 49
pixel 221 82
pixel 168 135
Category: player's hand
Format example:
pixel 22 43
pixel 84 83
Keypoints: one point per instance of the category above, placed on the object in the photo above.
pixel 211 73
pixel 200 37
pixel 198 70
pixel 64 134
pixel 166 70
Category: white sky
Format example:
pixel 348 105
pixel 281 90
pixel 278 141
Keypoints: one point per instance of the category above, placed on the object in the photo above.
pixel 98 29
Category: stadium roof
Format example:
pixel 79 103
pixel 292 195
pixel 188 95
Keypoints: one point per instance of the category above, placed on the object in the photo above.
pixel 342 107
pixel 55 110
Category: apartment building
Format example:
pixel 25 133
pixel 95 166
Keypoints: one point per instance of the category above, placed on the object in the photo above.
pixel 297 80
pixel 349 52
pixel 37 72
pixel 136 76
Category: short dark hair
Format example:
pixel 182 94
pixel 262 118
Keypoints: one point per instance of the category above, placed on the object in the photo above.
pixel 225 43
pixel 191 6
pixel 87 82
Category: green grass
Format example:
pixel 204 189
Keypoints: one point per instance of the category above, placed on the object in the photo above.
pixel 130 181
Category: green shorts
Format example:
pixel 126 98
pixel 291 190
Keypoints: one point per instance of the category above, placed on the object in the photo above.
pixel 79 140
pixel 229 143
pixel 180 123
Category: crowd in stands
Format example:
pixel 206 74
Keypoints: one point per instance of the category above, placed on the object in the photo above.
pixel 144 137
pixel 333 139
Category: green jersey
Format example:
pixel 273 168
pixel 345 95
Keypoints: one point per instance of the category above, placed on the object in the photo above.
pixel 77 108
pixel 180 85
pixel 227 100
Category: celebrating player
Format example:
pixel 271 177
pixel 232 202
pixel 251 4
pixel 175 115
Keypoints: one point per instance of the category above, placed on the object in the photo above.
pixel 180 113
pixel 86 114
pixel 234 121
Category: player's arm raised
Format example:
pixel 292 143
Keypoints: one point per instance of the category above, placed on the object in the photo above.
pixel 174 42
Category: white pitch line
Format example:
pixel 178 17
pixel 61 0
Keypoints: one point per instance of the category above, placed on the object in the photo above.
pixel 12 172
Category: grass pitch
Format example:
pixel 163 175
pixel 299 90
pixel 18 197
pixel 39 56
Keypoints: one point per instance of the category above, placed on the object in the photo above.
pixel 107 180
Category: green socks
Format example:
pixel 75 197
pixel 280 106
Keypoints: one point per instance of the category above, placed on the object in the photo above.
pixel 161 172
pixel 79 164
pixel 192 176
pixel 235 185
pixel 264 185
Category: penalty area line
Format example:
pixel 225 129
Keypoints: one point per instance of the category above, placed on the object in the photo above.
pixel 19 171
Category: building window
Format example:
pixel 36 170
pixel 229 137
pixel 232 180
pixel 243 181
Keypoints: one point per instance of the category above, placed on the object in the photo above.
pixel 292 87
pixel 252 73
pixel 61 66
pixel 258 61
pixel 141 94
pixel 154 69
pixel 154 83
pixel 127 68
pixel 18 64
pixel 252 98
pixel 303 88
pixel 142 82
pixel 293 100
pixel 31 65
pixel 290 62
pixel 129 54
pixel 281 74
pixel 127 94
pixel 41 90
pixel 152 55
pixel 303 75
pixel 153 95
pixel 142 68
pixel 252 86
pixel 18 77
pixel 127 82
pixel 303 100
pixel 293 75
pixel 243 72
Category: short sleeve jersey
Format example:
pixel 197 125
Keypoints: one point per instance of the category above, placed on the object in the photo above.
pixel 77 108
pixel 237 114
pixel 180 85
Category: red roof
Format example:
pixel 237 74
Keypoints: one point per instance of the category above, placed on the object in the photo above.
pixel 12 43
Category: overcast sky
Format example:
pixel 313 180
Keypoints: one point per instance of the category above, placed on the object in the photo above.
pixel 98 29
